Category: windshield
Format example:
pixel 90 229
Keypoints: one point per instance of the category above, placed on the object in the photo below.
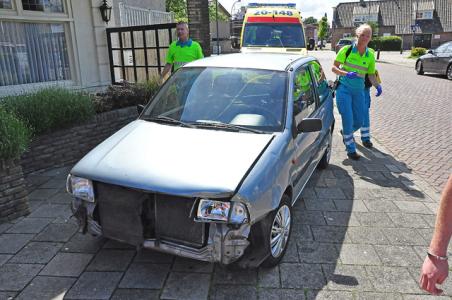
pixel 274 35
pixel 246 98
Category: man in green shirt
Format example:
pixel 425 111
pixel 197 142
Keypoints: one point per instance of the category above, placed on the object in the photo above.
pixel 182 51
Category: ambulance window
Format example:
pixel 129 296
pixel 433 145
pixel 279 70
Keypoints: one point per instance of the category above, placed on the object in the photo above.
pixel 320 80
pixel 303 93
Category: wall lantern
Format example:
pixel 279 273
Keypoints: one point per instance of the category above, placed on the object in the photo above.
pixel 105 11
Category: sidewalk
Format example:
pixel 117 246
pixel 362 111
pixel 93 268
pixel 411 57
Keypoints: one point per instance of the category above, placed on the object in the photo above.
pixel 360 231
pixel 395 58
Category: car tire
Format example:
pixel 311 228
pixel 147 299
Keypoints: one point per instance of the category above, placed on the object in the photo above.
pixel 278 220
pixel 325 161
pixel 419 68
pixel 449 72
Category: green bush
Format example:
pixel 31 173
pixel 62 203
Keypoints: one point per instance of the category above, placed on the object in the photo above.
pixel 125 95
pixel 14 136
pixel 386 43
pixel 418 51
pixel 50 108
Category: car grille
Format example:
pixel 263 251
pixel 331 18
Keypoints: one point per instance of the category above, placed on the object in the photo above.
pixel 131 216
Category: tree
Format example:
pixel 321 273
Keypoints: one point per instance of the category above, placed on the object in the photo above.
pixel 212 12
pixel 310 20
pixel 179 8
pixel 323 29
pixel 374 26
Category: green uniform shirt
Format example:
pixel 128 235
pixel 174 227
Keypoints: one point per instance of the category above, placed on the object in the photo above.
pixel 362 65
pixel 181 53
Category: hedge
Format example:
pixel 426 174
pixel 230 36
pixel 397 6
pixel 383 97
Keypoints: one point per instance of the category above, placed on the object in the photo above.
pixel 14 136
pixel 386 43
pixel 50 108
pixel 418 51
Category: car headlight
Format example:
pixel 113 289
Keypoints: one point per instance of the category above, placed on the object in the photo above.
pixel 220 211
pixel 81 188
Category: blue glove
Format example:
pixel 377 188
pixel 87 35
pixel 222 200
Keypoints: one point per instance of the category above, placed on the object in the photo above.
pixel 351 75
pixel 379 90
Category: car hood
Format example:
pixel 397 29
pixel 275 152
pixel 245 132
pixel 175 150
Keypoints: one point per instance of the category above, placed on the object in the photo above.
pixel 173 160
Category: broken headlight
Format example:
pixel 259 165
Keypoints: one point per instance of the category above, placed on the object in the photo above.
pixel 220 211
pixel 81 188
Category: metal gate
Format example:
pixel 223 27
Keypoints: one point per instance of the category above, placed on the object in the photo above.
pixel 138 53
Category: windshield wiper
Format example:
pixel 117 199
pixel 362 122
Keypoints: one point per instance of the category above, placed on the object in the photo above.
pixel 165 119
pixel 226 126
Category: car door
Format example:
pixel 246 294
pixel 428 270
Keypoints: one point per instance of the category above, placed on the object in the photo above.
pixel 444 58
pixel 435 65
pixel 304 105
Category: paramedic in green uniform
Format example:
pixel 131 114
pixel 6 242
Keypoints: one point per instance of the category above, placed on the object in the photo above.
pixel 182 51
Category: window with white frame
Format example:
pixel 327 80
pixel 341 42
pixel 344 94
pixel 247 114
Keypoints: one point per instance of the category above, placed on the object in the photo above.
pixel 33 51
pixel 6 4
pixel 424 15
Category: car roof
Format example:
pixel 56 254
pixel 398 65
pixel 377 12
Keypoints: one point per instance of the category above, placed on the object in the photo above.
pixel 263 61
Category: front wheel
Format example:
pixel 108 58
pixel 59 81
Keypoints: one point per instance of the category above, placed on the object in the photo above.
pixel 449 72
pixel 325 161
pixel 278 225
pixel 419 67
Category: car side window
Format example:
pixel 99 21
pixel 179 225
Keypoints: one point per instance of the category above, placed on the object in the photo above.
pixel 303 93
pixel 449 48
pixel 442 48
pixel 320 80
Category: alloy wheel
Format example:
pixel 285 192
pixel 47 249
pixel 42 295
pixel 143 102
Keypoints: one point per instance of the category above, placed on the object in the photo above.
pixel 280 231
pixel 449 72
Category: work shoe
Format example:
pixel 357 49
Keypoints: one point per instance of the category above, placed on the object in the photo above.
pixel 353 155
pixel 368 144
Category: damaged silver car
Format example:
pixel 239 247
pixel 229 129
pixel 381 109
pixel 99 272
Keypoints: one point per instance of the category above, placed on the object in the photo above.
pixel 211 168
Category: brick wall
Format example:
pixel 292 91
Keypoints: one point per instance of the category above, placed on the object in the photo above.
pixel 67 146
pixel 13 192
pixel 198 22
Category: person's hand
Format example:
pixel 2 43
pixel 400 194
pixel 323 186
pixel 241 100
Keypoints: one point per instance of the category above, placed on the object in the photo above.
pixel 379 91
pixel 160 82
pixel 434 271
pixel 351 75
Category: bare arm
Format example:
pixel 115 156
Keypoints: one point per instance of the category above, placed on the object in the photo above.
pixel 336 70
pixel 435 271
pixel 165 71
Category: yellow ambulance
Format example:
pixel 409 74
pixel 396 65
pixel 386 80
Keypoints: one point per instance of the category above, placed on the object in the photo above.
pixel 273 28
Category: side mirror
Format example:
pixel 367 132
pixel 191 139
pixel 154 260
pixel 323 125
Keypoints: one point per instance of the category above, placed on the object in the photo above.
pixel 235 44
pixel 309 125
pixel 430 51
pixel 140 108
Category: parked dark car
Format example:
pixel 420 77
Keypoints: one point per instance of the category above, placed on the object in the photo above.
pixel 342 43
pixel 437 61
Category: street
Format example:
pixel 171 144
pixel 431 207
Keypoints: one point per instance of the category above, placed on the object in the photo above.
pixel 413 117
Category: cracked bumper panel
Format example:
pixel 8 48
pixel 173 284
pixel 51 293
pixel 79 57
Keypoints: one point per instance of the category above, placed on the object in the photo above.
pixel 225 245
pixel 84 213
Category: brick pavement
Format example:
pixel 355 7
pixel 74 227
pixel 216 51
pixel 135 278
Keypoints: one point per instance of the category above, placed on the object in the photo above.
pixel 360 232
pixel 413 117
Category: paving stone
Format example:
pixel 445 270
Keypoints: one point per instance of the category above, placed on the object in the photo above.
pixel 269 278
pixel 136 294
pixel 408 220
pixel 411 206
pixel 329 234
pixel 61 198
pixel 392 279
pixel 430 220
pixel 33 205
pixel 367 235
pixel 401 256
pixel 403 236
pixel 186 286
pixel 347 278
pixel 12 243
pixel 226 276
pixel 358 254
pixel 14 277
pixel 330 193
pixel 433 207
pixel 424 297
pixel 54 183
pixel 94 285
pixel 30 225
pixel 378 296
pixel 381 206
pixel 57 233
pixel 7 295
pixel 301 232
pixel 309 217
pixel 67 264
pixel 341 218
pixel 150 256
pixel 302 276
pixel 5 226
pixel 291 254
pixel 42 194
pixel 145 276
pixel 281 294
pixel 111 260
pixel 52 211
pixel 350 205
pixel 182 264
pixel 315 252
pixel 84 243
pixel 333 295
pixel 47 288
pixel 4 258
pixel 374 219
pixel 112 244
pixel 234 292
pixel 36 253
pixel 316 204
pixel 426 233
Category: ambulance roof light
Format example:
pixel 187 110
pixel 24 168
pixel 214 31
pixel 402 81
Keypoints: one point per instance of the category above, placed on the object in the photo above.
pixel 291 5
